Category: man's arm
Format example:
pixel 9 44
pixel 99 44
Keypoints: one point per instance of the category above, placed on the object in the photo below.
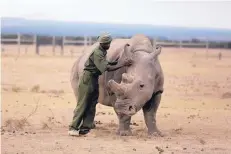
pixel 103 65
pixel 113 63
pixel 127 62
pixel 113 68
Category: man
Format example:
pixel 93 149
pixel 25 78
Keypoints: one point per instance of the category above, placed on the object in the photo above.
pixel 88 91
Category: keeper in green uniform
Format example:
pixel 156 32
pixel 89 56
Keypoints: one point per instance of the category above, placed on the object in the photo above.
pixel 88 92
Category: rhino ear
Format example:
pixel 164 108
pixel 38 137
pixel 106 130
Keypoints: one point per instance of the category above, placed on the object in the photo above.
pixel 115 87
pixel 127 51
pixel 156 52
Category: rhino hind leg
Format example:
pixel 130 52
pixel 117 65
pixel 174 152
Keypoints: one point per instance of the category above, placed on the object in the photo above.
pixel 149 111
pixel 124 125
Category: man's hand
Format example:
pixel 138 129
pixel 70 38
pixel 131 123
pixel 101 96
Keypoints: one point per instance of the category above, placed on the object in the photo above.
pixel 128 62
pixel 113 63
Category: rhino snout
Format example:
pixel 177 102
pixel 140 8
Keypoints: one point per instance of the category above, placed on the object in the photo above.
pixel 132 109
pixel 125 107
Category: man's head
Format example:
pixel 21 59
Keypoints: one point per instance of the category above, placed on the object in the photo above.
pixel 105 40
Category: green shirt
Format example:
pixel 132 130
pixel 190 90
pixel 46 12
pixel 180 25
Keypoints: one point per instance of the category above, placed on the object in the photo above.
pixel 97 63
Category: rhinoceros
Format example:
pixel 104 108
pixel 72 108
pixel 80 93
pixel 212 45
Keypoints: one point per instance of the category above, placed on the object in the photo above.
pixel 128 89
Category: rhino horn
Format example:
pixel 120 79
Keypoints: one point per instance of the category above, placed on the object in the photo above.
pixel 116 87
pixel 157 51
pixel 126 78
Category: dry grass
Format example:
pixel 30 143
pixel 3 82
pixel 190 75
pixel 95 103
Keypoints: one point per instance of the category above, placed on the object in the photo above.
pixel 43 91
pixel 16 124
pixel 226 95
pixel 160 150
pixel 56 92
pixel 46 126
pixel 16 89
pixel 192 106
pixel 35 88
pixel 178 130
pixel 13 124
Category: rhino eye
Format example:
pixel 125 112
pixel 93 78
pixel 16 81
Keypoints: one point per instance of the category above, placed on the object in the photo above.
pixel 141 85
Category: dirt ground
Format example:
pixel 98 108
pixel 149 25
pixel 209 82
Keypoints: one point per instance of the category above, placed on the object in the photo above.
pixel 38 103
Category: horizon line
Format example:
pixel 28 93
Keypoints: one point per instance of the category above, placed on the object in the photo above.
pixel 116 23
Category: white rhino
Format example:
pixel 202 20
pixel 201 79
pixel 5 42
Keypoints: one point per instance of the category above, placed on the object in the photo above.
pixel 132 88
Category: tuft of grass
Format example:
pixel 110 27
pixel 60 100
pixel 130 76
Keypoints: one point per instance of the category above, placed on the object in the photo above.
pixel 19 124
pixel 56 92
pixel 45 126
pixel 35 88
pixel 178 130
pixel 61 91
pixel 16 124
pixel 194 65
pixel 16 89
pixel 226 95
pixel 43 91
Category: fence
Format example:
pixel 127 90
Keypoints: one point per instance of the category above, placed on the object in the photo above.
pixel 38 41
pixel 62 41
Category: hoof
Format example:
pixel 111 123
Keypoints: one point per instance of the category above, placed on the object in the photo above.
pixel 124 133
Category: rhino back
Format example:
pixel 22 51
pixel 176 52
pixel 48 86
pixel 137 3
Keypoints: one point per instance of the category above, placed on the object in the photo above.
pixel 141 42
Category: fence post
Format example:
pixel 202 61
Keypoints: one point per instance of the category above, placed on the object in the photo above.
pixel 63 43
pixel 85 40
pixel 36 44
pixel 154 42
pixel 207 47
pixel 53 45
pixel 180 44
pixel 90 40
pixel 226 45
pixel 19 42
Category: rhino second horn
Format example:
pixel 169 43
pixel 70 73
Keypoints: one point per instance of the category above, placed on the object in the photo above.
pixel 127 78
pixel 116 88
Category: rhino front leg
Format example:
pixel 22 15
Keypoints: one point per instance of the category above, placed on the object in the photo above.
pixel 149 111
pixel 124 125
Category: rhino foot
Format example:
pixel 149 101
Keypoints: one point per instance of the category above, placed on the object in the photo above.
pixel 124 132
pixel 156 133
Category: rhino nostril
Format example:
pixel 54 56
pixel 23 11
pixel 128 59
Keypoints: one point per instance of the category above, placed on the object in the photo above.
pixel 130 108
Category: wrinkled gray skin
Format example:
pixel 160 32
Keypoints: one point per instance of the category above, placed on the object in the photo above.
pixel 132 88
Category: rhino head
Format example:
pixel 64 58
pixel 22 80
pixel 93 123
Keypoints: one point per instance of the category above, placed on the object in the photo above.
pixel 138 81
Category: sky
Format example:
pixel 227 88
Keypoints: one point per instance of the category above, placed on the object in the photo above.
pixel 208 14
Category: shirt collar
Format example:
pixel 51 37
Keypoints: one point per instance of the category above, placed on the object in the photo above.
pixel 104 51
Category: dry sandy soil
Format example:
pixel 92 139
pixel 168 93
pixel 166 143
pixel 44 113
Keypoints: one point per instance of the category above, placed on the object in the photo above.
pixel 37 106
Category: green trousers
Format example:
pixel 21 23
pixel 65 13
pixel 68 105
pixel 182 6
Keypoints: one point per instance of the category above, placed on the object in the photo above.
pixel 88 93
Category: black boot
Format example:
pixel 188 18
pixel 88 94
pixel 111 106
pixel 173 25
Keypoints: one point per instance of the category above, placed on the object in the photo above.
pixel 84 131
